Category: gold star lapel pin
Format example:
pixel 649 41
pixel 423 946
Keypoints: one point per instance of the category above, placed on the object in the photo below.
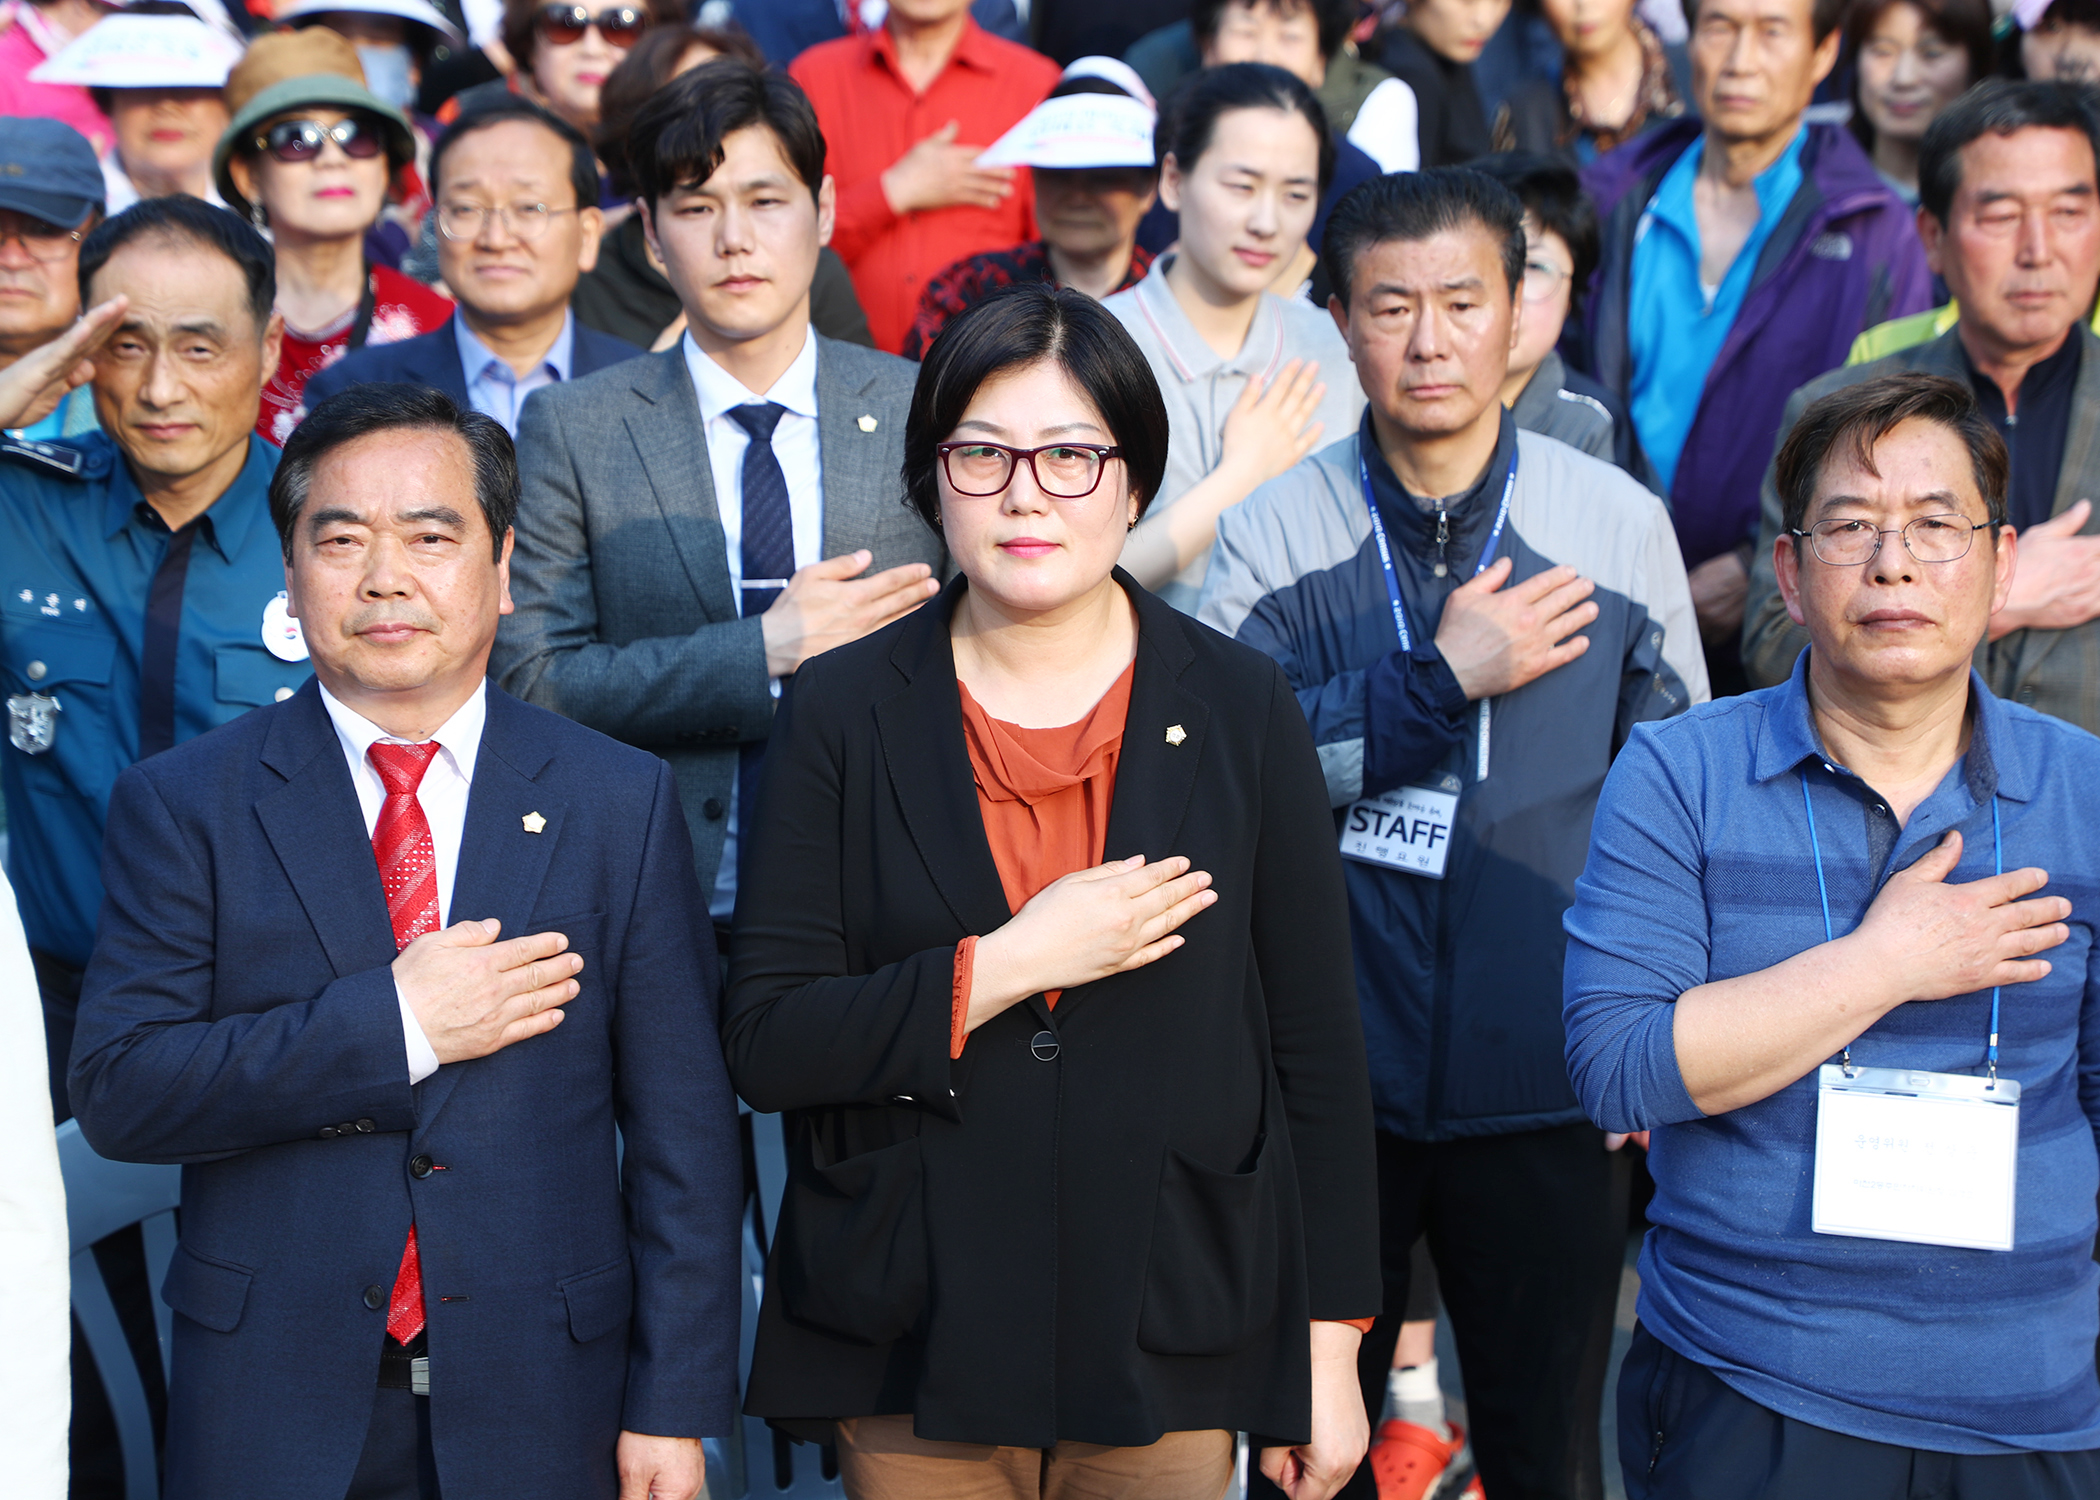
pixel 866 424
pixel 1176 734
pixel 534 823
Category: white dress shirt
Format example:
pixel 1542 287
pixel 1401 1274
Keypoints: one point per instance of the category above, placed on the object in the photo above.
pixel 443 795
pixel 801 464
pixel 496 390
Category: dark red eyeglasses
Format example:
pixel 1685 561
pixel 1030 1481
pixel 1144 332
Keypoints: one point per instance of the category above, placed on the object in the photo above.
pixel 620 25
pixel 302 140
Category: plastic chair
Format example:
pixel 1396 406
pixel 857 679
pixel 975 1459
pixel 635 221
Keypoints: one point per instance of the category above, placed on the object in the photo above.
pixel 102 1197
pixel 764 1464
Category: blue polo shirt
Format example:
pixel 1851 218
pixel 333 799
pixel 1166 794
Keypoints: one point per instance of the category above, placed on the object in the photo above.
pixel 82 627
pixel 1700 869
pixel 1674 326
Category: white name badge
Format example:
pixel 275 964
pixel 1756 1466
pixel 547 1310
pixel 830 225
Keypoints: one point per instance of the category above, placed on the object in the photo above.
pixel 1407 828
pixel 280 631
pixel 1929 1158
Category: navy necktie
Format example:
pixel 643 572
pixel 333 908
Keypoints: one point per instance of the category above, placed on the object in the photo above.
pixel 769 561
pixel 769 525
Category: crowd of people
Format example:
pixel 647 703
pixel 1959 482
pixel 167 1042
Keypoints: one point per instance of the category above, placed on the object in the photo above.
pixel 1270 665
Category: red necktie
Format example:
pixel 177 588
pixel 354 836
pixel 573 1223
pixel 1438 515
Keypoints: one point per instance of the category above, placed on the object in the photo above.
pixel 408 873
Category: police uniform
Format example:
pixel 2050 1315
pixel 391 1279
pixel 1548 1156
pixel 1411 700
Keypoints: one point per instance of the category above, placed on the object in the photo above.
pixel 118 639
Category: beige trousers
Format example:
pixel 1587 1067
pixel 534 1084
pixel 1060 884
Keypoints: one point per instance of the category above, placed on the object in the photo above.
pixel 880 1459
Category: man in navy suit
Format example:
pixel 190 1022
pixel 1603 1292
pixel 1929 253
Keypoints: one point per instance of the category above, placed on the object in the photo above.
pixel 413 1256
pixel 516 190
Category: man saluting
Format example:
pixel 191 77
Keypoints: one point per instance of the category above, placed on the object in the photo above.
pixel 412 1252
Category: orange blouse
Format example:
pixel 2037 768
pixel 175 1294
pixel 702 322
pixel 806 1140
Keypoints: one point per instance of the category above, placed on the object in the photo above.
pixel 1044 795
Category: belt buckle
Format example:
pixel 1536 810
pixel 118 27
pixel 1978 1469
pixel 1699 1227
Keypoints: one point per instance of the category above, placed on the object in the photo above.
pixel 419 1375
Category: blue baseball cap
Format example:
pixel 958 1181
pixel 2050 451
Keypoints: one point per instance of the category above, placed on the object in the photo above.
pixel 48 171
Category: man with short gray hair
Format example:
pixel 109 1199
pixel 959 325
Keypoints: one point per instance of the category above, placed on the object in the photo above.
pixel 2010 215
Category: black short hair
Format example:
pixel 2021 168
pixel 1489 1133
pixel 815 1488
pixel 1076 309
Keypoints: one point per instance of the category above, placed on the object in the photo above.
pixel 676 138
pixel 1415 206
pixel 1997 106
pixel 1962 24
pixel 583 166
pixel 1824 16
pixel 1331 18
pixel 1190 117
pixel 649 64
pixel 1552 190
pixel 182 217
pixel 1018 326
pixel 1857 417
pixel 382 406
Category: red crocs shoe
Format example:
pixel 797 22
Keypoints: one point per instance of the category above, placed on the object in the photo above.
pixel 1410 1462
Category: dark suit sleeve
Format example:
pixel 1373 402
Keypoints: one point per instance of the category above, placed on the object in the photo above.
pixel 1771 639
pixel 658 691
pixel 834 307
pixel 802 1030
pixel 683 1168
pixel 1301 946
pixel 154 1077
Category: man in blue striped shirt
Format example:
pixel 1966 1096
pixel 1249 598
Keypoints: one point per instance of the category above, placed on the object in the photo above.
pixel 1810 874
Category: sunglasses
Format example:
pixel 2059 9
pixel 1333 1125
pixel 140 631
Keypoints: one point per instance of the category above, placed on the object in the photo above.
pixel 621 25
pixel 302 140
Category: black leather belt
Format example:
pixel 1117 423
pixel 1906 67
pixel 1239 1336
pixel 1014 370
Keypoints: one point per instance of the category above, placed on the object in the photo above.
pixel 405 1367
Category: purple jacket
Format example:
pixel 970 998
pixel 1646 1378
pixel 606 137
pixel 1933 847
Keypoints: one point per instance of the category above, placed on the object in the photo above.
pixel 1845 256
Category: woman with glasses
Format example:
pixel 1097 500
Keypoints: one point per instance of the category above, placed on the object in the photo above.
pixel 309 158
pixel 1560 235
pixel 1042 945
pixel 565 51
pixel 1244 160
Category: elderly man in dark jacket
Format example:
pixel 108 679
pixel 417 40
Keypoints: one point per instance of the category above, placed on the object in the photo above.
pixel 1744 250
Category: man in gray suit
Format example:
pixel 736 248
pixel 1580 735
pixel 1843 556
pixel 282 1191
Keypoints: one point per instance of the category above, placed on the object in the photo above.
pixel 2010 215
pixel 698 523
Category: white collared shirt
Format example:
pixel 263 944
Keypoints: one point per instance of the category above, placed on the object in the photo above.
pixel 494 388
pixel 443 795
pixel 801 464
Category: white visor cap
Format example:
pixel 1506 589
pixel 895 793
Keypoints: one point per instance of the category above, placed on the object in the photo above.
pixel 1079 130
pixel 143 52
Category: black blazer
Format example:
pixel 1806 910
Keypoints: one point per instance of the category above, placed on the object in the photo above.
pixel 1102 1224
pixel 432 359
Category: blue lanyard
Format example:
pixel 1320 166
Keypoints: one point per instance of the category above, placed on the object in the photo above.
pixel 1385 546
pixel 1990 1051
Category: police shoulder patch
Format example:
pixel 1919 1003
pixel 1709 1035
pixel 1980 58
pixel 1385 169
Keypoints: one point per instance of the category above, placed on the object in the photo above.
pixel 69 459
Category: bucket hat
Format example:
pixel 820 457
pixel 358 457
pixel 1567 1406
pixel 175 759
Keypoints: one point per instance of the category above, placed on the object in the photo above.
pixel 292 70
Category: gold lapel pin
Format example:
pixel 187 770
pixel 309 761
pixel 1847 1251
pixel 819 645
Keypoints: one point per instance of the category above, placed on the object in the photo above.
pixel 1176 734
pixel 534 823
pixel 866 424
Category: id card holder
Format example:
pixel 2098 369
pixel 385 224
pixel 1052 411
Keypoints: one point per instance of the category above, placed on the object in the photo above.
pixel 1407 828
pixel 1927 1158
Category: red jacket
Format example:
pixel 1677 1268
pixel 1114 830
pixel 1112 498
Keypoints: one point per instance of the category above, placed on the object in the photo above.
pixel 871 117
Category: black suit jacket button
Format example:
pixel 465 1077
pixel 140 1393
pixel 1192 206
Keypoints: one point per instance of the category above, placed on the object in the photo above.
pixel 365 1127
pixel 1044 1045
pixel 327 1132
pixel 713 808
pixel 420 1167
pixel 374 1298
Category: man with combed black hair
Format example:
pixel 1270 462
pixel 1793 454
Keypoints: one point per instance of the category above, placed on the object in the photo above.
pixel 1474 618
pixel 144 600
pixel 700 522
pixel 2018 157
pixel 516 192
pixel 416 982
